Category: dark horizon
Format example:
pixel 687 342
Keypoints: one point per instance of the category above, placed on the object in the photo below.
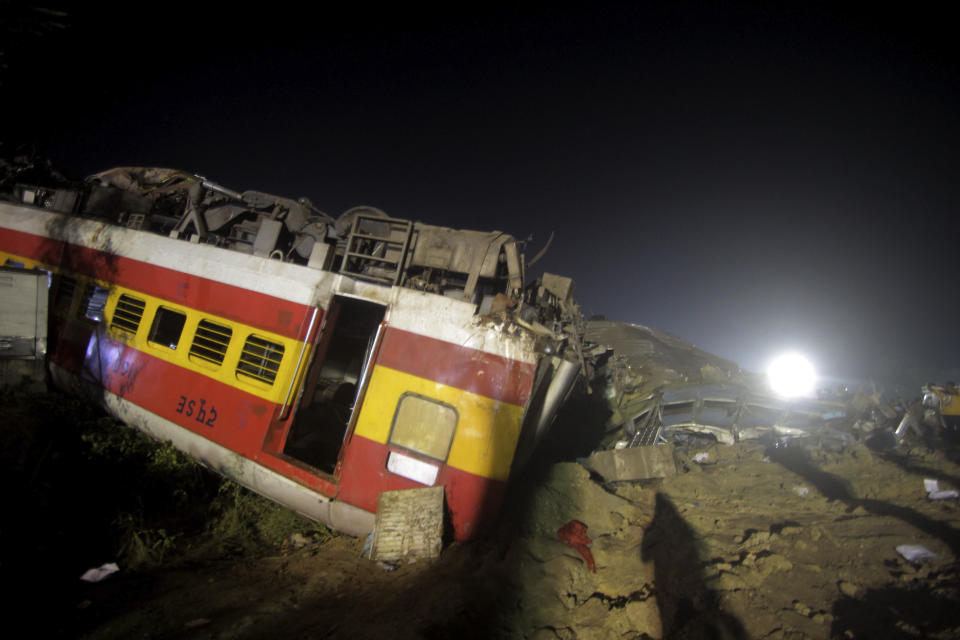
pixel 748 178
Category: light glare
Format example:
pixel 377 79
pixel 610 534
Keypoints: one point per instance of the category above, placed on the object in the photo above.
pixel 791 375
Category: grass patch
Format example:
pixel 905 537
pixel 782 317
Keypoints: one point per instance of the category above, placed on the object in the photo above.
pixel 86 489
pixel 244 522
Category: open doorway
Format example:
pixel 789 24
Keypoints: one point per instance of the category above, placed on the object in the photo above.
pixel 333 381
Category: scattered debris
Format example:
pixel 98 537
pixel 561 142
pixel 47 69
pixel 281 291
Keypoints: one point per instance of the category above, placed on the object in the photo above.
pixel 636 463
pixel 935 493
pixel 99 573
pixel 915 553
pixel 726 413
pixel 574 533
pixel 632 362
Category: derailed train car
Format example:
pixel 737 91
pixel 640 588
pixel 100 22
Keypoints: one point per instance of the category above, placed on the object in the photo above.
pixel 317 361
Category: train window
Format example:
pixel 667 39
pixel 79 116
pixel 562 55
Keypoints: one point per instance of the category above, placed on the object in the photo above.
pixel 64 294
pixel 93 303
pixel 260 359
pixel 167 327
pixel 127 315
pixel 210 342
pixel 424 425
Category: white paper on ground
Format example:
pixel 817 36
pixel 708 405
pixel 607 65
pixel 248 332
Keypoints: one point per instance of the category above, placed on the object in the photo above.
pixel 916 553
pixel 99 573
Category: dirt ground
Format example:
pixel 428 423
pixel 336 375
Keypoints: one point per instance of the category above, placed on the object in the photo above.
pixel 752 541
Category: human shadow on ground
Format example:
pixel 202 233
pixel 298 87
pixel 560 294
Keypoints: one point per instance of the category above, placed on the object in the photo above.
pixel 901 611
pixel 689 609
pixel 797 460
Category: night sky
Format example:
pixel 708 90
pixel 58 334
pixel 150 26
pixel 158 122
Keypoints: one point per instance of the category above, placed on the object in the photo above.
pixel 749 178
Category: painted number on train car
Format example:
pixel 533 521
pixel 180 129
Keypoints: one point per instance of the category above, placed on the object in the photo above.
pixel 121 367
pixel 199 410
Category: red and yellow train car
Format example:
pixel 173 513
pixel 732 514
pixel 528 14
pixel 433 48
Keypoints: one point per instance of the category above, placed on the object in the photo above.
pixel 383 355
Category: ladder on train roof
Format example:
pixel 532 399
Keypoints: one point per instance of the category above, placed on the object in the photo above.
pixel 376 248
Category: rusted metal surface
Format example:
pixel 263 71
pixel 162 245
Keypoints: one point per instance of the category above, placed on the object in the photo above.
pixel 409 526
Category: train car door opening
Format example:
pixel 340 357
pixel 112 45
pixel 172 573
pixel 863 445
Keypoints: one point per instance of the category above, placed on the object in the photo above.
pixel 333 383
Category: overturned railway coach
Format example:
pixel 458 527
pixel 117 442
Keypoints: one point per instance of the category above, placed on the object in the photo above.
pixel 318 362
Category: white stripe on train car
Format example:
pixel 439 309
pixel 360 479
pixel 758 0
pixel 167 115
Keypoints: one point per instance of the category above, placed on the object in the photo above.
pixel 272 277
pixel 415 311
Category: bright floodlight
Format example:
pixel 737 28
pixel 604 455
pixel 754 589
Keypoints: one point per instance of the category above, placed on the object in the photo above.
pixel 791 375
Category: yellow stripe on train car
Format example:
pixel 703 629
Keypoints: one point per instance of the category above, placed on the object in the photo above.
pixel 949 404
pixel 486 433
pixel 26 262
pixel 225 372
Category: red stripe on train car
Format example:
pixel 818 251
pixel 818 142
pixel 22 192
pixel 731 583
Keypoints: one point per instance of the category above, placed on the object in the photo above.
pixel 221 413
pixel 474 501
pixel 31 246
pixel 297 472
pixel 270 313
pixel 226 415
pixel 267 312
pixel 457 366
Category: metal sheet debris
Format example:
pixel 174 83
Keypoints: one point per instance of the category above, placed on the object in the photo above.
pixel 409 525
pixel 727 413
pixel 636 463
pixel 23 325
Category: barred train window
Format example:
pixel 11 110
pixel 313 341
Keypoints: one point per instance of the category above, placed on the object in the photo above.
pixel 424 425
pixel 260 359
pixel 167 327
pixel 127 315
pixel 210 342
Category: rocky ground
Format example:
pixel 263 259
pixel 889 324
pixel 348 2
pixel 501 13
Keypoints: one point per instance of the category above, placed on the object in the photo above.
pixel 752 541
pixel 798 542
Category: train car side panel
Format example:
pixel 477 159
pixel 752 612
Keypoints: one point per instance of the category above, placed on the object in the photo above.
pixel 415 428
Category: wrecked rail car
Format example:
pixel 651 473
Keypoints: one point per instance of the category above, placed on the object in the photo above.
pixel 726 413
pixel 942 404
pixel 659 387
pixel 317 361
